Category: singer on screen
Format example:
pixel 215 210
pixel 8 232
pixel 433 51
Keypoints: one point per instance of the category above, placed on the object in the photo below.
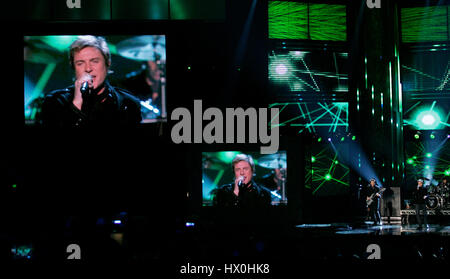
pixel 243 192
pixel 91 100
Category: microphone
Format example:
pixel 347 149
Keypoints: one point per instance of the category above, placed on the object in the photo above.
pixel 241 181
pixel 84 89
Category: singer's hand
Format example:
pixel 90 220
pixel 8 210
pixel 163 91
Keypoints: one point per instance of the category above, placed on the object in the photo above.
pixel 78 98
pixel 238 181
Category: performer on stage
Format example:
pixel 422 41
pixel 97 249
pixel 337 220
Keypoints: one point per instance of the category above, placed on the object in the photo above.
pixel 373 191
pixel 91 100
pixel 420 195
pixel 443 186
pixel 243 192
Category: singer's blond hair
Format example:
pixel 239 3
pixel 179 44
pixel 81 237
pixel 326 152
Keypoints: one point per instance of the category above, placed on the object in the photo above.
pixel 90 41
pixel 243 157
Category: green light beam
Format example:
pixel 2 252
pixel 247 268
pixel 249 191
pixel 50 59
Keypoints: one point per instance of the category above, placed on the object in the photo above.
pixel 310 74
pixel 42 82
pixel 309 116
pixel 218 178
pixel 318 187
pixel 412 107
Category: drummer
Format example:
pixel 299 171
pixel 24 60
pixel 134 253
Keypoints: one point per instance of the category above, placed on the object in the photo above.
pixel 276 179
pixel 443 185
pixel 443 188
pixel 147 82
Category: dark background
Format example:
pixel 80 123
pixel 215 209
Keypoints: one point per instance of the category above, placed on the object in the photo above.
pixel 97 173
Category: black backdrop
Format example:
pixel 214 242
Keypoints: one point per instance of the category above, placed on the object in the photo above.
pixel 91 173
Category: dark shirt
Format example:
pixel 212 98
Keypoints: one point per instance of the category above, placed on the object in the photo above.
pixel 250 196
pixel 419 193
pixel 442 187
pixel 371 190
pixel 113 107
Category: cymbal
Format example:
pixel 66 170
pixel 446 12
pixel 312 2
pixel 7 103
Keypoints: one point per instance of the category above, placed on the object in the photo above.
pixel 423 178
pixel 212 163
pixel 273 161
pixel 143 48
pixel 40 53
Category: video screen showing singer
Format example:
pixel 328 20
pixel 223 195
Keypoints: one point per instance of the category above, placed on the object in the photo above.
pixel 91 101
pixel 243 192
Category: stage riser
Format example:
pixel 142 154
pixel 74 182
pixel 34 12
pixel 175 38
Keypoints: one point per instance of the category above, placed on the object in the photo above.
pixel 430 212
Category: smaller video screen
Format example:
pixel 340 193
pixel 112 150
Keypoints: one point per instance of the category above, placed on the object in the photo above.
pixel 234 173
pixel 131 65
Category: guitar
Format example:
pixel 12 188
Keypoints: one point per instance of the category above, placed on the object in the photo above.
pixel 370 200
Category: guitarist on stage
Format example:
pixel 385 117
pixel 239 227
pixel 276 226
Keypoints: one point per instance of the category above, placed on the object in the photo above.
pixel 373 192
pixel 420 196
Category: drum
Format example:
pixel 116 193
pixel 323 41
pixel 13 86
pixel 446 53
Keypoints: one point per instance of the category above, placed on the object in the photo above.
pixel 432 201
pixel 446 198
pixel 445 193
pixel 432 189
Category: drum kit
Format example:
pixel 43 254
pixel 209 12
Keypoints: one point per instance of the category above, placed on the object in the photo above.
pixel 148 48
pixel 438 197
pixel 276 162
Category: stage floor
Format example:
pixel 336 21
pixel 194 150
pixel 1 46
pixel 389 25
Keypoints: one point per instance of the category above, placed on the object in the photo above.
pixel 432 229
pixel 367 228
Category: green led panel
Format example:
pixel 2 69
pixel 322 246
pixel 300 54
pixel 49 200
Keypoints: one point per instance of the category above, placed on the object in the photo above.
pixel 424 24
pixel 327 22
pixel 288 20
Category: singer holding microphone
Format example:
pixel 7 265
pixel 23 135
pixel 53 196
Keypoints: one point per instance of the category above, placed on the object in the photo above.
pixel 243 192
pixel 91 100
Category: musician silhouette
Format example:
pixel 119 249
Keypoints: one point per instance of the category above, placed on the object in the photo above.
pixel 373 197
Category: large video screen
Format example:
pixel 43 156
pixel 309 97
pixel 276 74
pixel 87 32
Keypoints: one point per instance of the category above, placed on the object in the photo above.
pixel 221 173
pixel 424 77
pixel 135 65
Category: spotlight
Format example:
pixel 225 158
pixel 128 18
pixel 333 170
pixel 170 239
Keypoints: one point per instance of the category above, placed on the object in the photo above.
pixel 328 177
pixel 428 120
pixel 410 161
pixel 432 136
pixel 448 136
pixel 354 138
pixel 281 69
pixel 329 139
pixel 319 139
pixel 313 159
pixel 447 172
pixel 343 138
pixel 429 155
pixel 416 136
